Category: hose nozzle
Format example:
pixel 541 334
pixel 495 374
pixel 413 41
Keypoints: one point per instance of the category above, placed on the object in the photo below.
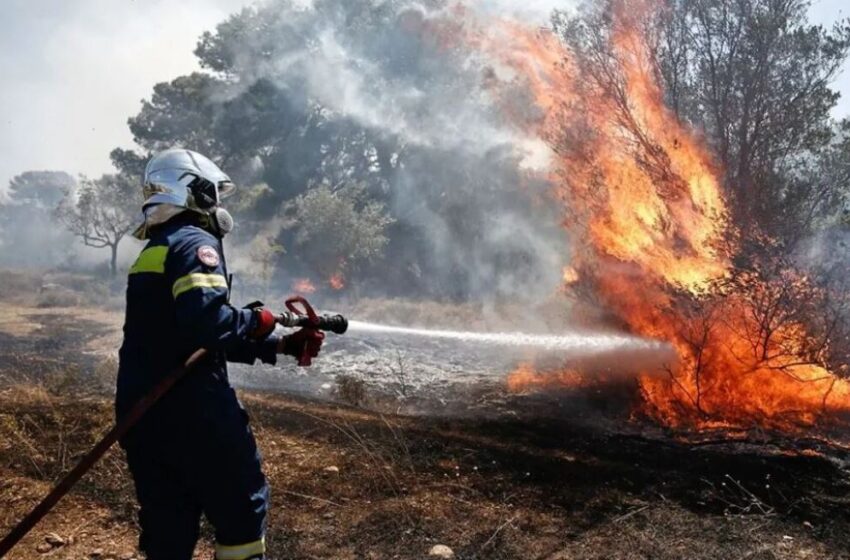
pixel 332 323
pixel 306 317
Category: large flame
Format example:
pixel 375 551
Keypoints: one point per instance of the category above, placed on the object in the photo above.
pixel 643 201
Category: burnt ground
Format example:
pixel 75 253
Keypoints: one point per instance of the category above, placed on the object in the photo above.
pixel 353 483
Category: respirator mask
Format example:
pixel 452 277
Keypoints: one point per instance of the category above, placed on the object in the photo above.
pixel 205 195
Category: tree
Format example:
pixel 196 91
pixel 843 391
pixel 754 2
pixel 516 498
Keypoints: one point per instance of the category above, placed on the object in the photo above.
pixel 339 230
pixel 364 92
pixel 182 113
pixel 129 163
pixel 44 189
pixel 756 76
pixel 102 212
pixel 264 252
pixel 29 232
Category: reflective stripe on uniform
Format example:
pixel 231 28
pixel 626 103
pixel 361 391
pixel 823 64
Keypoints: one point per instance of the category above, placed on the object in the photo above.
pixel 240 551
pixel 151 259
pixel 198 280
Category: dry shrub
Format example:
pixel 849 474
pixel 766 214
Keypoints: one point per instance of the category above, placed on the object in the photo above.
pixel 59 289
pixel 43 433
pixel 85 289
pixel 350 389
pixel 19 285
pixel 58 297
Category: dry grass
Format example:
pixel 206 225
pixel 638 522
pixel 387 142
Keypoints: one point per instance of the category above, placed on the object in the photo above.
pixel 490 490
pixel 349 484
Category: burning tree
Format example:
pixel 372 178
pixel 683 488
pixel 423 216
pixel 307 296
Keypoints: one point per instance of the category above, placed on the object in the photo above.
pixel 755 76
pixel 101 213
pixel 759 341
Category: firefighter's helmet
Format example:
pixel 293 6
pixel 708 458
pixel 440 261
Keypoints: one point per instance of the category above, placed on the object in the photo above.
pixel 178 180
pixel 185 178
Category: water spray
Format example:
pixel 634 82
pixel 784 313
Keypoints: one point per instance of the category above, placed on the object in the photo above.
pixel 570 342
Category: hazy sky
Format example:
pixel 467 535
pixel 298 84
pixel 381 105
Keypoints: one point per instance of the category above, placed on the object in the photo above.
pixel 74 71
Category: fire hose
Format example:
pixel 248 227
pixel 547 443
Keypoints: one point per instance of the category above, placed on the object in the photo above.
pixel 305 318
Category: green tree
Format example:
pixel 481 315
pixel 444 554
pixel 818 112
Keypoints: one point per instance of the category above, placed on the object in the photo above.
pixel 757 77
pixel 338 231
pixel 129 163
pixel 102 212
pixel 181 113
pixel 43 189
pixel 345 92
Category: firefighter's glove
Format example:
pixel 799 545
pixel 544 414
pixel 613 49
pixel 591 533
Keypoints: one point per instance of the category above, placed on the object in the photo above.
pixel 264 323
pixel 301 343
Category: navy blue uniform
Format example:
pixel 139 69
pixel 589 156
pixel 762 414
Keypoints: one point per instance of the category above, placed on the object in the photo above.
pixel 193 453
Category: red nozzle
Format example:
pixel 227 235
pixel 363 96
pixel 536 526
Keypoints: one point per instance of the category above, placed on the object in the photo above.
pixel 306 311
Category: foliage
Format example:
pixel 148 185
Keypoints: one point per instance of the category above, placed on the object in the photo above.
pixel 347 92
pixel 291 97
pixel 264 252
pixel 756 76
pixel 340 230
pixel 43 189
pixel 181 113
pixel 129 163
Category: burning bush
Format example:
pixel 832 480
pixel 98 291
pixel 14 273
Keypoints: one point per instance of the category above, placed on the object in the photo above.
pixel 340 230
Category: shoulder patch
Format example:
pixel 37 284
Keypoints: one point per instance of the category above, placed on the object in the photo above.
pixel 208 255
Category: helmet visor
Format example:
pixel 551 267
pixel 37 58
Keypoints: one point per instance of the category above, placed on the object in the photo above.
pixel 225 189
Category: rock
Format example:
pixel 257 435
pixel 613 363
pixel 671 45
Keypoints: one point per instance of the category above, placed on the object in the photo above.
pixel 96 553
pixel 128 556
pixel 44 548
pixel 54 540
pixel 441 551
pixel 332 469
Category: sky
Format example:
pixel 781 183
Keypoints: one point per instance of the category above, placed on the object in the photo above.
pixel 73 72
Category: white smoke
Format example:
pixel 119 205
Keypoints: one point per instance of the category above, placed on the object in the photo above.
pixel 404 77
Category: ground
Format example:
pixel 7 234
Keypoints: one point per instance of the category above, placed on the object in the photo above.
pixel 352 482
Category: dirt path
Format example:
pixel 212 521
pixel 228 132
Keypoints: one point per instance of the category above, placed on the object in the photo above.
pixel 351 484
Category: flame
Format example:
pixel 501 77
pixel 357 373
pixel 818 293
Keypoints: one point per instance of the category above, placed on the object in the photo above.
pixel 570 275
pixel 337 281
pixel 303 286
pixel 527 378
pixel 643 201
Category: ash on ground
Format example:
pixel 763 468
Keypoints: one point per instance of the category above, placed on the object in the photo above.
pixel 420 375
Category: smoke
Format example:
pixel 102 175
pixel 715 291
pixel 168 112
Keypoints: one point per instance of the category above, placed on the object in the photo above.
pixel 470 184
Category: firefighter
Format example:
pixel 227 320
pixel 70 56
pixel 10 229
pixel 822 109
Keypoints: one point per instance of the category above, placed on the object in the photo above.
pixel 194 453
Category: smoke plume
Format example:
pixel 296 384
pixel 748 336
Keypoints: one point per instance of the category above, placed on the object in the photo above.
pixel 461 178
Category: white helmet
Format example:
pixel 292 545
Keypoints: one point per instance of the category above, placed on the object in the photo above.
pixel 178 180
